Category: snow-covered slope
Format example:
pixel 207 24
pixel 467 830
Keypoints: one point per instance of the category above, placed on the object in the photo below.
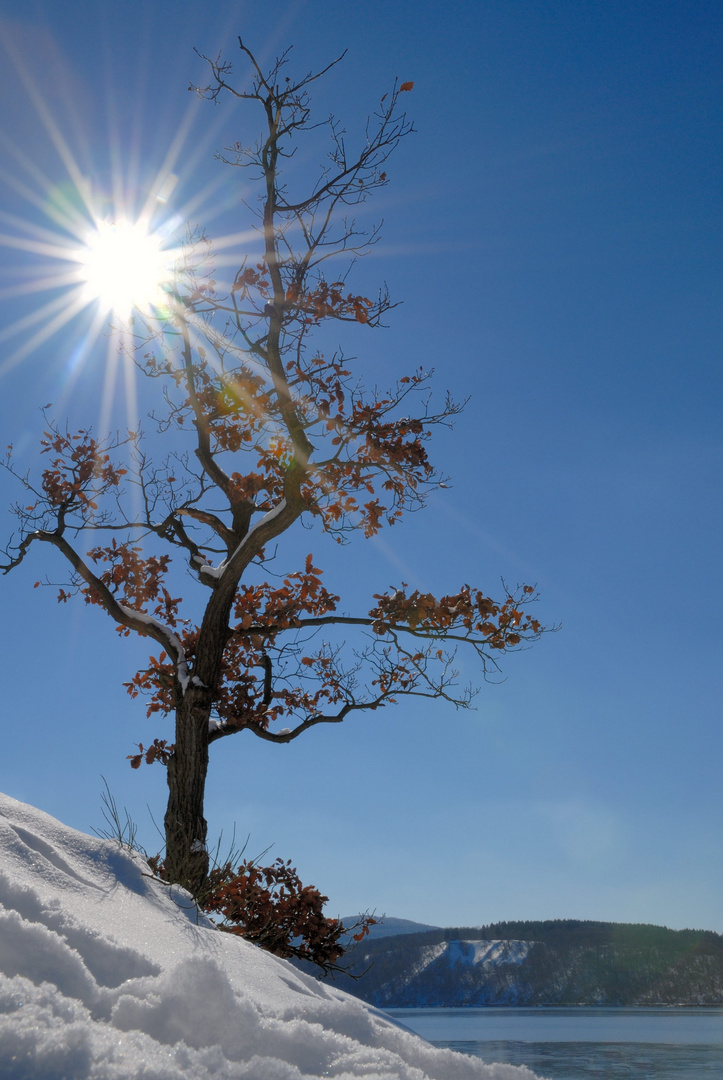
pixel 105 974
pixel 486 953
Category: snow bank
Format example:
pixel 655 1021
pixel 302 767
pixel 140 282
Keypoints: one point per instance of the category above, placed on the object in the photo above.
pixel 106 974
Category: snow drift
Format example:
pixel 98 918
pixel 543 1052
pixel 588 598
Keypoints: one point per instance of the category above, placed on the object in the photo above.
pixel 106 974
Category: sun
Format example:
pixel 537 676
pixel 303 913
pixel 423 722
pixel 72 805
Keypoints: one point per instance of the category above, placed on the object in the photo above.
pixel 123 266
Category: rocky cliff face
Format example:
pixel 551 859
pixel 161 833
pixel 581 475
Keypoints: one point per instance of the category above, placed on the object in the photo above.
pixel 565 962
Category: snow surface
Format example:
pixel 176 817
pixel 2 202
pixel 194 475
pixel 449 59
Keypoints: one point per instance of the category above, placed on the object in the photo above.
pixel 469 954
pixel 489 953
pixel 106 974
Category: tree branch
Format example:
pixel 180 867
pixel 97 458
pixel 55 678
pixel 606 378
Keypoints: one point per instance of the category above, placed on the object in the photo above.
pixel 143 624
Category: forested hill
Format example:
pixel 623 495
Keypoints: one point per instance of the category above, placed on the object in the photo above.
pixel 560 962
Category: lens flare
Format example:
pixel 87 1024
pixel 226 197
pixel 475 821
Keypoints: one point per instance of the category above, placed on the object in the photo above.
pixel 123 266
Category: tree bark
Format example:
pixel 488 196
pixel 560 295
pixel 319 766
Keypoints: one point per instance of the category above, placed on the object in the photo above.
pixel 186 861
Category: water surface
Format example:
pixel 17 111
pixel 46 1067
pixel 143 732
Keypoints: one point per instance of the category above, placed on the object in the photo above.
pixel 583 1043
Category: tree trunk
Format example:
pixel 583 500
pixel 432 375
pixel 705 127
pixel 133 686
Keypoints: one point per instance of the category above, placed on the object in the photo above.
pixel 186 861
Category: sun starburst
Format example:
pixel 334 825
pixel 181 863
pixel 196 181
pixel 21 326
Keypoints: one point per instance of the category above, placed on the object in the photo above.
pixel 124 265
pixel 100 244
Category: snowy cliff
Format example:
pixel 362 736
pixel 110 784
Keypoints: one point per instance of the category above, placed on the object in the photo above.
pixel 559 962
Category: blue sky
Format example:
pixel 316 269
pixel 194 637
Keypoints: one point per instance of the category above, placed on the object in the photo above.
pixel 554 230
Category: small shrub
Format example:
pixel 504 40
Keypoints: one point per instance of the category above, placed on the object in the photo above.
pixel 270 906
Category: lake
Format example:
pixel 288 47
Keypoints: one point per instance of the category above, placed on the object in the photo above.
pixel 583 1043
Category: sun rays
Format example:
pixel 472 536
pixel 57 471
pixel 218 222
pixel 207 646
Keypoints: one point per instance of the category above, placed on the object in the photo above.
pixel 123 266
pixel 88 249
pixel 93 235
pixel 92 259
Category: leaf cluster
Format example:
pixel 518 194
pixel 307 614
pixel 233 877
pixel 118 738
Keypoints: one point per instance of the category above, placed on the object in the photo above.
pixel 269 906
